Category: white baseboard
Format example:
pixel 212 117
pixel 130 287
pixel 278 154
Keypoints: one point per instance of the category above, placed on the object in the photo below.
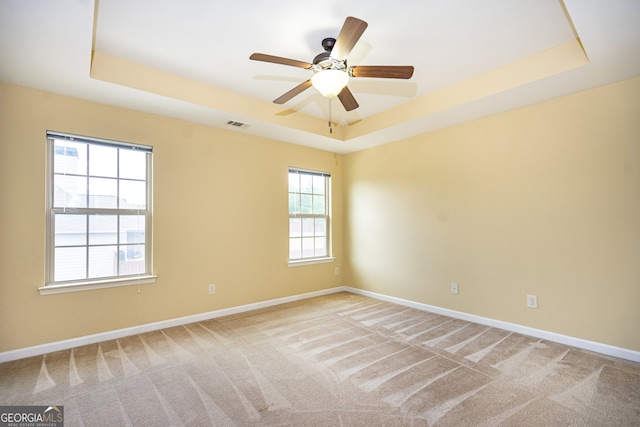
pixel 38 350
pixel 597 347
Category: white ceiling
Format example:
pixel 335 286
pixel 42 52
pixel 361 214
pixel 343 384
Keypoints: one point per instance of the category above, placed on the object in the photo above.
pixel 48 46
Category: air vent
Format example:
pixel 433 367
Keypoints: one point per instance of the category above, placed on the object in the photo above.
pixel 238 124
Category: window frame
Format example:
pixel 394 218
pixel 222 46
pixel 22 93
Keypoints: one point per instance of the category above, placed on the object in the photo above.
pixel 328 257
pixel 51 286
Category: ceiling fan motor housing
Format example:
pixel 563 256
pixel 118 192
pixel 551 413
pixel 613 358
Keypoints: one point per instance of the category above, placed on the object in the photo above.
pixel 324 61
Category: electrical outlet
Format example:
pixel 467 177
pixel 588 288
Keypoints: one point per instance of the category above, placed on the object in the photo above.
pixel 337 271
pixel 212 289
pixel 454 288
pixel 532 301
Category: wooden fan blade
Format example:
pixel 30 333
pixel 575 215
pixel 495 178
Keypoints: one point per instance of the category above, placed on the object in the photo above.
pixel 383 71
pixel 293 92
pixel 348 37
pixel 279 60
pixel 348 101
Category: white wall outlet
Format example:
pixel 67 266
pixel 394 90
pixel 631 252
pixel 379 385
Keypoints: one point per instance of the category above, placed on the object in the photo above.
pixel 454 288
pixel 337 271
pixel 212 289
pixel 532 301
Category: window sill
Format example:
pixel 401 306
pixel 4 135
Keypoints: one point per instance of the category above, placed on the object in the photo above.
pixel 87 286
pixel 297 263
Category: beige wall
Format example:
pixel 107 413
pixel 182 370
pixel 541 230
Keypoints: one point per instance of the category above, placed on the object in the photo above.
pixel 543 200
pixel 220 216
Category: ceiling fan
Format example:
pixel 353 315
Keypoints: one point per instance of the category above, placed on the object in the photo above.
pixel 331 72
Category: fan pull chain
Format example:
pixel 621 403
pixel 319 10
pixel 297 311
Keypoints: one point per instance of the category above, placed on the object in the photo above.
pixel 330 126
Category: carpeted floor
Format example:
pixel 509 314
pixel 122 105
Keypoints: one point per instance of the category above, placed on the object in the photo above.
pixel 337 360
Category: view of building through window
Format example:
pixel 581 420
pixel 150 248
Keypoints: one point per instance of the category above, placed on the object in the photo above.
pixel 308 214
pixel 99 210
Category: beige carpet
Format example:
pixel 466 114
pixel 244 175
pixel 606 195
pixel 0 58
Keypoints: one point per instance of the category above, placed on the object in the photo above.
pixel 338 360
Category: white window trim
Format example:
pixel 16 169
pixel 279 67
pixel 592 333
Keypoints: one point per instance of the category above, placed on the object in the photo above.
pixel 328 258
pixel 308 261
pixel 52 288
pixel 96 284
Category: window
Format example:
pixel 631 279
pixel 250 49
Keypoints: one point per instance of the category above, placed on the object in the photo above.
pixel 309 215
pixel 99 207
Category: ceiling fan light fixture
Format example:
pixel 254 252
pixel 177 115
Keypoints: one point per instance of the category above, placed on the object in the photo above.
pixel 331 73
pixel 330 82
